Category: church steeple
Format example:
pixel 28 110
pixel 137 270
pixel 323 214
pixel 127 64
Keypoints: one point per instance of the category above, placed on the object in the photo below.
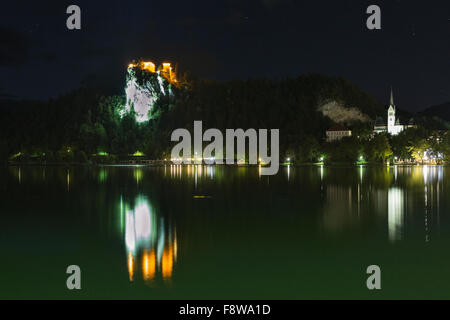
pixel 391 102
pixel 391 113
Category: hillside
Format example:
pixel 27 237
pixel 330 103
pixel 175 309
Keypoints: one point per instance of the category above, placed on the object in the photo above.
pixel 442 111
pixel 87 122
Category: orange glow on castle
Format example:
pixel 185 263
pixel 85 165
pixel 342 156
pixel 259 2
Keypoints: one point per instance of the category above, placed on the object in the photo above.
pixel 165 69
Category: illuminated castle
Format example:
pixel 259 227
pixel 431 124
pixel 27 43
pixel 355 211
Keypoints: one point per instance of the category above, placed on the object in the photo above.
pixel 145 85
pixel 165 69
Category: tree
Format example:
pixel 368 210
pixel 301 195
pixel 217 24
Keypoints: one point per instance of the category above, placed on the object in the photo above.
pixel 92 137
pixel 378 148
pixel 419 149
pixel 399 146
pixel 348 149
pixel 446 146
pixel 308 150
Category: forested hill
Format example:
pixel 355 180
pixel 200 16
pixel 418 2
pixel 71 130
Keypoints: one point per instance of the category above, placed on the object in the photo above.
pixel 86 121
pixel 442 111
pixel 290 105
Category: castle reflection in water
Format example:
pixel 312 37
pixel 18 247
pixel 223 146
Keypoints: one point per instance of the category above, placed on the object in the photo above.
pixel 402 200
pixel 150 241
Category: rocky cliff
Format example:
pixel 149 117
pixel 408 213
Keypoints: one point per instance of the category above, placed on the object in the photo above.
pixel 143 89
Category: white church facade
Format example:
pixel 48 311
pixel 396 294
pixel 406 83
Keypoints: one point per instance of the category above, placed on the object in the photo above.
pixel 393 125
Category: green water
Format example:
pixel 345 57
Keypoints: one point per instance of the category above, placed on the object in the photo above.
pixel 199 232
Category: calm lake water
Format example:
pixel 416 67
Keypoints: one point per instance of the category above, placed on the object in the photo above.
pixel 221 232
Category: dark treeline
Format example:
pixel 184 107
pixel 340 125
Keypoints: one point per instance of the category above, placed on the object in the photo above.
pixel 85 125
pixel 70 128
pixel 289 105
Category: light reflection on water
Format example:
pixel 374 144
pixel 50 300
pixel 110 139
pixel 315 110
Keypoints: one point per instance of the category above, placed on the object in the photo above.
pixel 160 207
pixel 151 243
pixel 395 193
pixel 194 171
pixel 396 199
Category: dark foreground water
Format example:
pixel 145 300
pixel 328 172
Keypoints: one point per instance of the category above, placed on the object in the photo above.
pixel 224 232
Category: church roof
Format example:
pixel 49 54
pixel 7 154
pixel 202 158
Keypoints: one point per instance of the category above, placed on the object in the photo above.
pixel 379 121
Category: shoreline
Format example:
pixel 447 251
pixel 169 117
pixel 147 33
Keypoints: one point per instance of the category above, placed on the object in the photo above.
pixel 162 163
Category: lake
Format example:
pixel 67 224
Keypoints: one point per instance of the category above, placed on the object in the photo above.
pixel 224 232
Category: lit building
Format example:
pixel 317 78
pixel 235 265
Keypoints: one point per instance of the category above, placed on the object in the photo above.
pixel 166 71
pixel 393 125
pixel 145 85
pixel 150 66
pixel 337 133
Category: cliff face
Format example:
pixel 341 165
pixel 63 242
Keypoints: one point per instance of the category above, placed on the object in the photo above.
pixel 340 114
pixel 143 89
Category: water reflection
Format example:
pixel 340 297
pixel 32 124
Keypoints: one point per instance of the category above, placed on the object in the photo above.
pixel 338 209
pixel 395 195
pixel 137 173
pixel 195 171
pixel 395 213
pixel 150 241
pixel 68 180
pixel 102 175
pixel 399 203
pixel 121 219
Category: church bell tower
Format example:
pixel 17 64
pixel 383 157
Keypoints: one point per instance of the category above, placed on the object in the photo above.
pixel 391 114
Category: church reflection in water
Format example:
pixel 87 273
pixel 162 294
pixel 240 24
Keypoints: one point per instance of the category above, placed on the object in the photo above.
pixel 396 200
pixel 150 241
pixel 400 195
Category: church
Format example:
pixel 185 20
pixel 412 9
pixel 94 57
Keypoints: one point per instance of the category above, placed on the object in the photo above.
pixel 393 125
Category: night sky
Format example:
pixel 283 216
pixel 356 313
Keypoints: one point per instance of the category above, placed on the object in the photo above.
pixel 235 39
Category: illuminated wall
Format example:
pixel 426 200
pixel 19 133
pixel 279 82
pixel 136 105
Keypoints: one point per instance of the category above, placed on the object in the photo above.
pixel 144 86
